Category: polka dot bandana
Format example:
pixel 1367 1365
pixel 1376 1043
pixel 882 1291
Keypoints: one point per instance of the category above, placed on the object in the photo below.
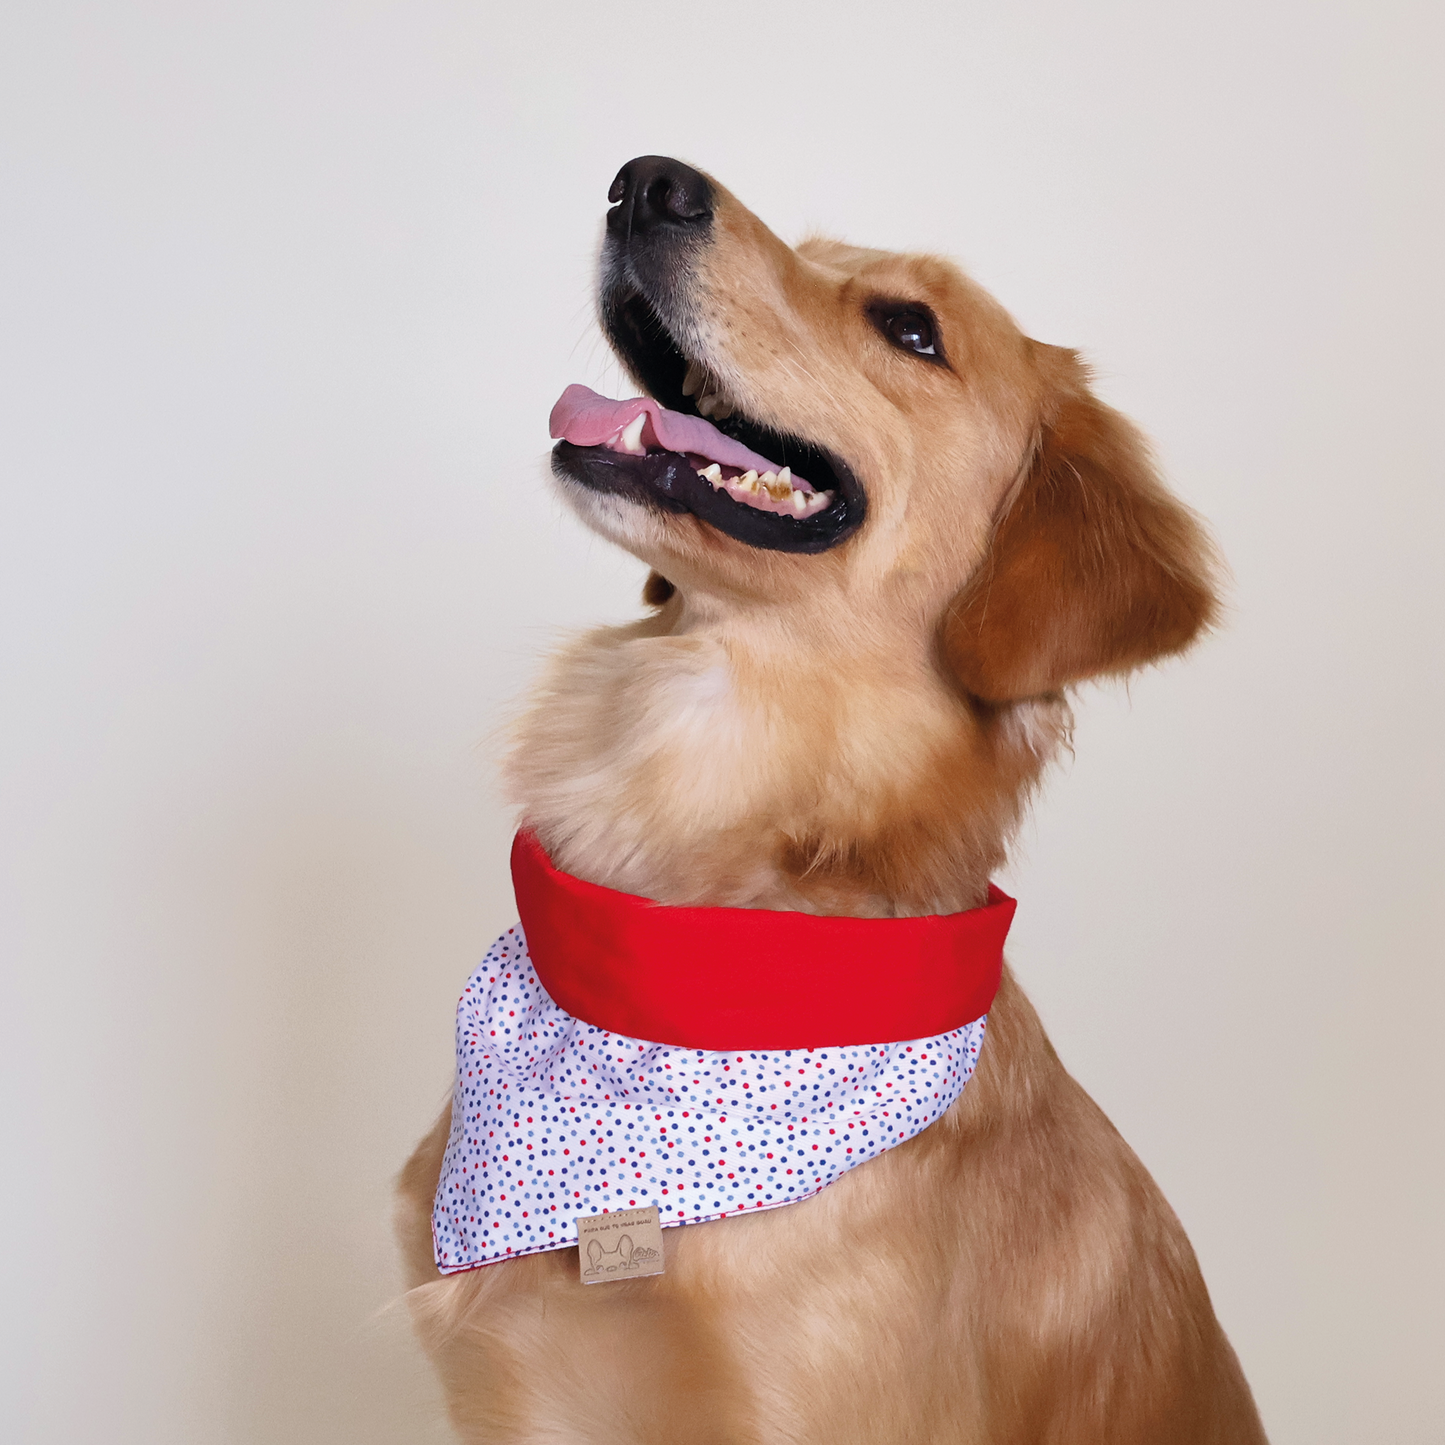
pixel 552 1118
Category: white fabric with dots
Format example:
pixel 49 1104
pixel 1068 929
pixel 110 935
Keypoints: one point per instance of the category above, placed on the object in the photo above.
pixel 552 1118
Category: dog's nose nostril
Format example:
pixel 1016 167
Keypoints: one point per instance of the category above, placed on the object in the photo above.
pixel 655 191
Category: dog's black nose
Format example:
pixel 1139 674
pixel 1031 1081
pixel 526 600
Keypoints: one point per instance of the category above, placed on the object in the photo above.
pixel 652 192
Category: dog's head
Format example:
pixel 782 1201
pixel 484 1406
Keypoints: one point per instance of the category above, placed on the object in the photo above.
pixel 947 476
pixel 888 531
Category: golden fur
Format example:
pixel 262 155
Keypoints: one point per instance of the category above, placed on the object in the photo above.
pixel 857 732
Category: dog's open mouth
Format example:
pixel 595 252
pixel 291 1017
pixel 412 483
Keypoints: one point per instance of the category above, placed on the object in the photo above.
pixel 688 448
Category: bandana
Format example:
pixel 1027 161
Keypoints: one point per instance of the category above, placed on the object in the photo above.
pixel 557 1111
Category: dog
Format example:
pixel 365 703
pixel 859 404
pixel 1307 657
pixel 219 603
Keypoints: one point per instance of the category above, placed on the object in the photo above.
pixel 851 677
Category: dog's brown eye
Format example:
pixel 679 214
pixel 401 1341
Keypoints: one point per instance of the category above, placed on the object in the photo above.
pixel 909 328
pixel 913 331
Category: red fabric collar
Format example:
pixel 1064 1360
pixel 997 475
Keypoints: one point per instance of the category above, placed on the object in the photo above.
pixel 753 978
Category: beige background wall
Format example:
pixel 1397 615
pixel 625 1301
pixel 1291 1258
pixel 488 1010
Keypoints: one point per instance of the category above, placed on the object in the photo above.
pixel 287 292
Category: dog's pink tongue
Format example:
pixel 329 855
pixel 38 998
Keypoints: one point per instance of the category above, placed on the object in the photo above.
pixel 588 420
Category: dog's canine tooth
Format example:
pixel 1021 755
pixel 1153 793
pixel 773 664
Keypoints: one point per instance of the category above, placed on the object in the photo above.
pixel 629 439
pixel 711 401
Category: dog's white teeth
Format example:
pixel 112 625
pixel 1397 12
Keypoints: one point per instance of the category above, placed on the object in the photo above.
pixel 775 486
pixel 629 439
pixel 696 375
pixel 721 409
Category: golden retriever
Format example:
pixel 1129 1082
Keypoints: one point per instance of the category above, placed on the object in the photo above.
pixel 840 703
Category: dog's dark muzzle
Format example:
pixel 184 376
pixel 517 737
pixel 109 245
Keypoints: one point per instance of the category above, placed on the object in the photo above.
pixel 661 218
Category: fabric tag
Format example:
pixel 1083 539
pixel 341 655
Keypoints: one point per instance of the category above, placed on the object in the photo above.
pixel 619 1244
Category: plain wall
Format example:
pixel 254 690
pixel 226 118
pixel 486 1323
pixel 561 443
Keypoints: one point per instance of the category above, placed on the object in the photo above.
pixel 288 290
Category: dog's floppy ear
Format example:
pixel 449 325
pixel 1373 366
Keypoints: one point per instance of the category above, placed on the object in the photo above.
pixel 1093 567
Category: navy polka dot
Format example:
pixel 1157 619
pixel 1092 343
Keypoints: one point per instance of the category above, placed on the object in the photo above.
pixel 552 1118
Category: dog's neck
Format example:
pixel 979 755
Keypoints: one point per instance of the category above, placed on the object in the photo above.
pixel 695 762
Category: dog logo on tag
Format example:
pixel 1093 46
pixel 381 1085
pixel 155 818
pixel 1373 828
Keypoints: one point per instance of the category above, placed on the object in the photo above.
pixel 609 1261
pixel 620 1244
